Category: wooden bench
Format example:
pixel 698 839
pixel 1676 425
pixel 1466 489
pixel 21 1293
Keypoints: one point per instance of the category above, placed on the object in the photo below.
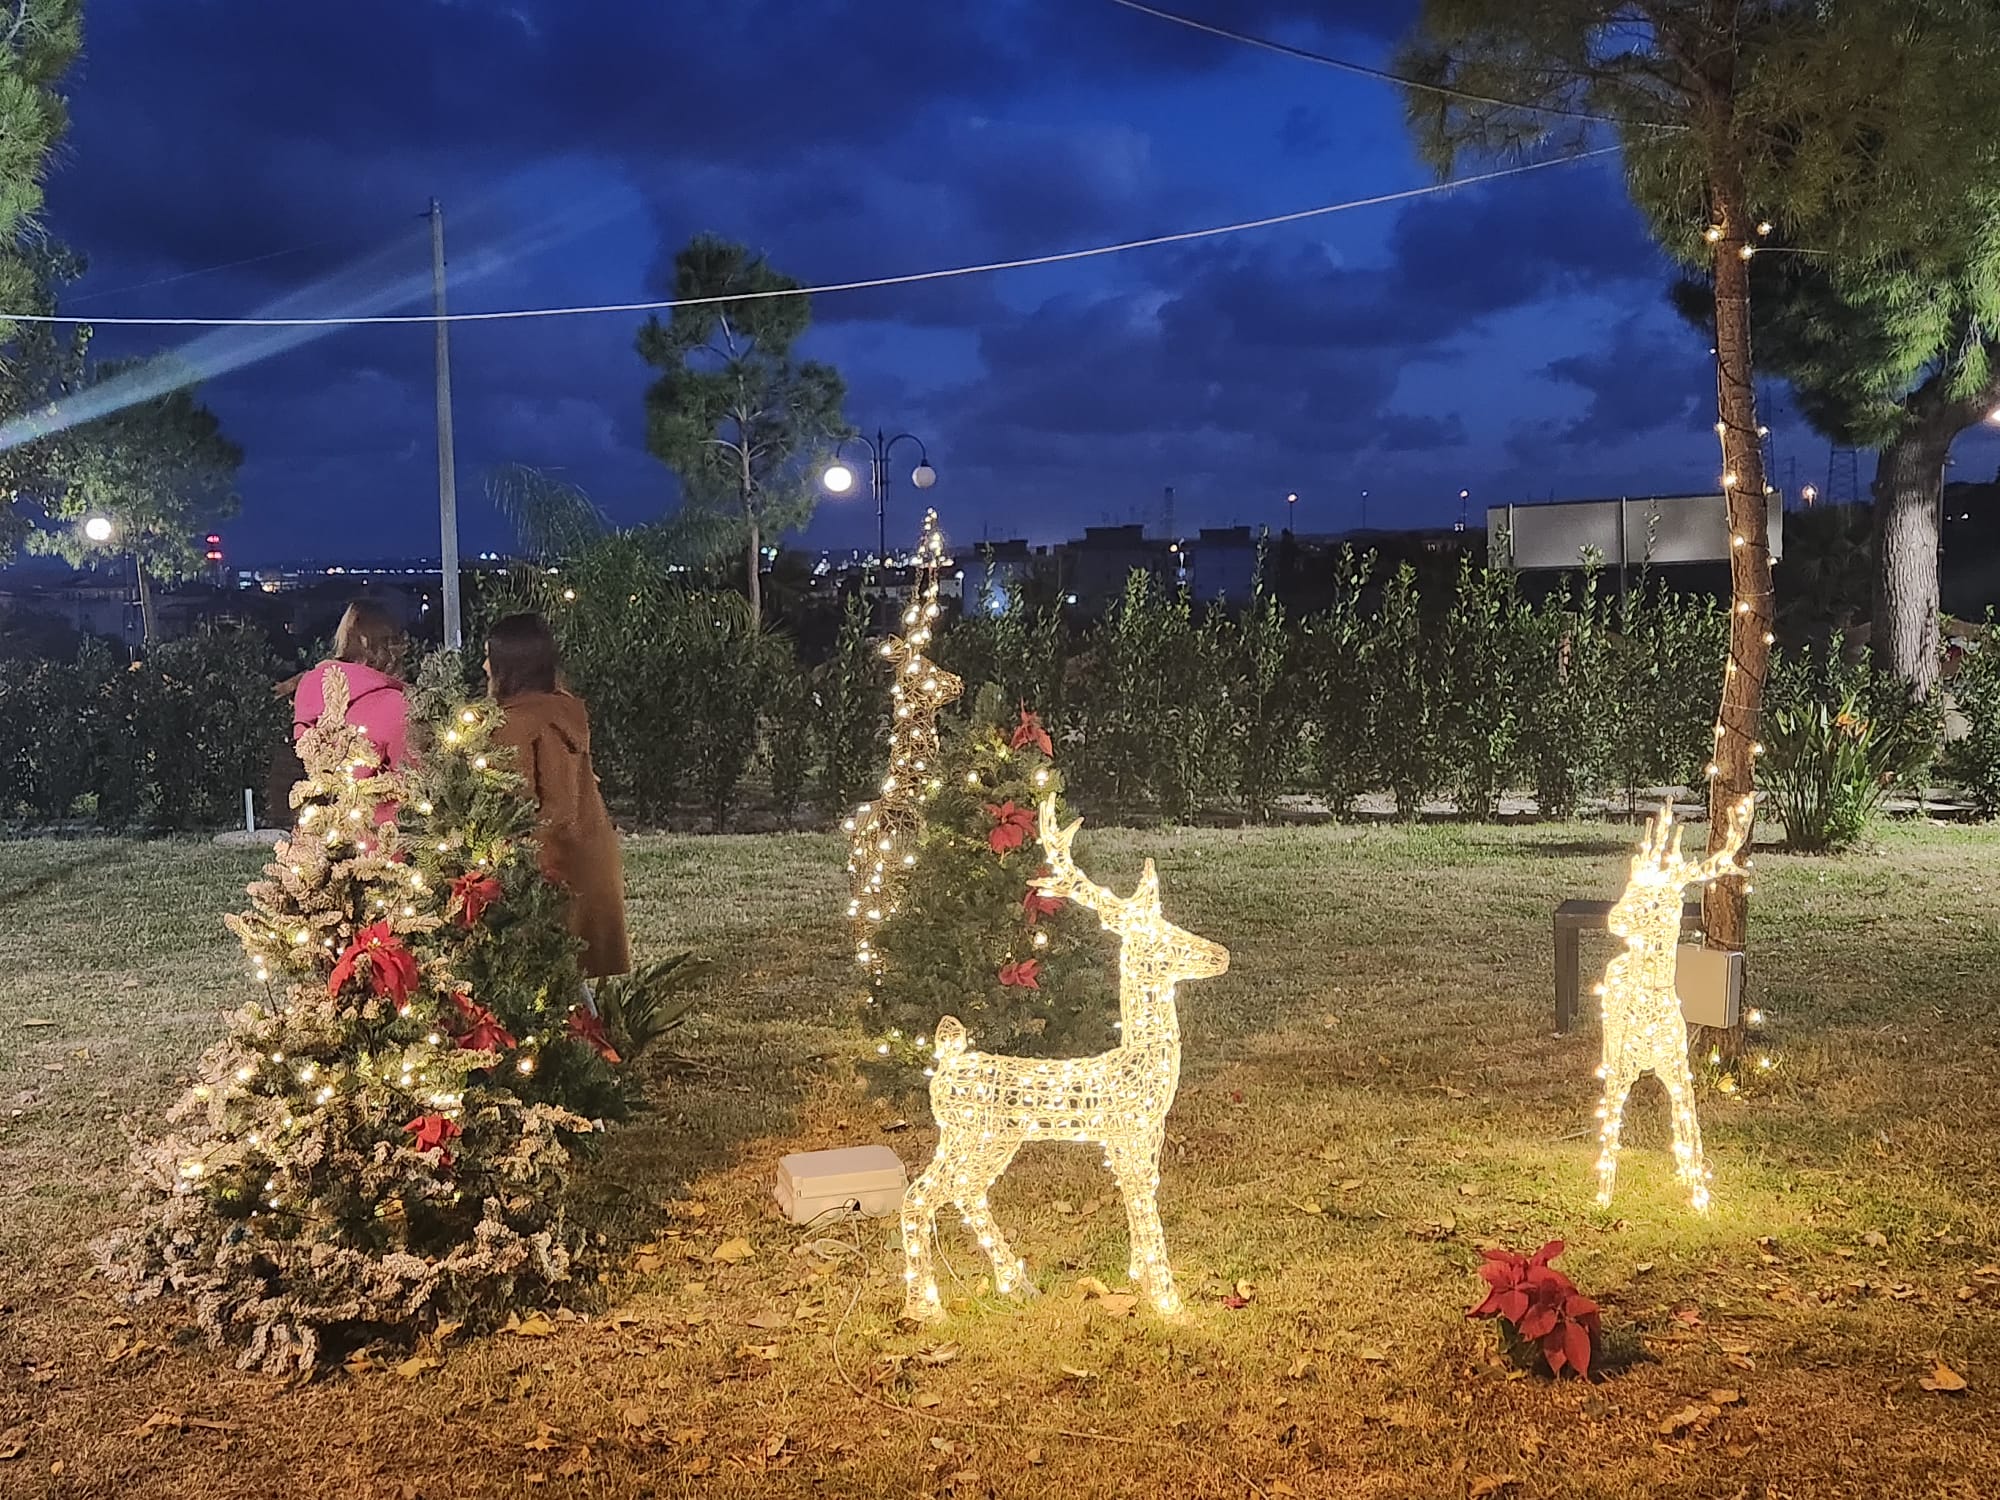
pixel 1574 918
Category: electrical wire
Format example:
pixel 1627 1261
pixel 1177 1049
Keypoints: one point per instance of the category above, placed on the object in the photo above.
pixel 911 278
pixel 227 265
pixel 1363 70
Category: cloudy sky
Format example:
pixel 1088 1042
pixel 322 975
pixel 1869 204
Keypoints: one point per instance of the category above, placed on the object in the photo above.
pixel 1511 339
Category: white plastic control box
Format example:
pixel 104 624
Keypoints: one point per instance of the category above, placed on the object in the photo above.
pixel 824 1185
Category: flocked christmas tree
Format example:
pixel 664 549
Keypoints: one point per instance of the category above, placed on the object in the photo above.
pixel 354 1158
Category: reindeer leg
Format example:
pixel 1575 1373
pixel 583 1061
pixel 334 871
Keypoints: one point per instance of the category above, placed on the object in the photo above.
pixel 920 1206
pixel 1138 1172
pixel 1010 1273
pixel 1618 1083
pixel 1688 1163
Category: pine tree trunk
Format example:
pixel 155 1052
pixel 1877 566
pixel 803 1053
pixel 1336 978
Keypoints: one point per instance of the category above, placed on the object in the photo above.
pixel 1752 607
pixel 756 581
pixel 149 614
pixel 1909 494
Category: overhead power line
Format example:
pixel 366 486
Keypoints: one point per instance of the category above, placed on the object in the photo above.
pixel 1363 70
pixel 868 284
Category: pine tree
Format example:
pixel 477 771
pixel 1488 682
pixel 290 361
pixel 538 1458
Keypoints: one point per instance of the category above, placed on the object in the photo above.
pixel 352 1160
pixel 502 929
pixel 970 936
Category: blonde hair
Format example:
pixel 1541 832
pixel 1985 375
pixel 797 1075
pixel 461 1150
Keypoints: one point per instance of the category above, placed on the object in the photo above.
pixel 369 636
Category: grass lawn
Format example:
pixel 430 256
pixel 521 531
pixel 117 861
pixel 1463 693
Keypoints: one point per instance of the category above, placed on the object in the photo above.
pixel 1369 1095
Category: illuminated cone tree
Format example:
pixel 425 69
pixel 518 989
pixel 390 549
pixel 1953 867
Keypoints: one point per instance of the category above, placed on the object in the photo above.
pixel 344 1166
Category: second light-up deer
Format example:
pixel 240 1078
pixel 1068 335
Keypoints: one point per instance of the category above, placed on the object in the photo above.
pixel 1644 1030
pixel 988 1107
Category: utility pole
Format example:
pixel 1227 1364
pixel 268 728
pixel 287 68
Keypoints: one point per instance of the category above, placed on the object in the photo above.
pixel 454 631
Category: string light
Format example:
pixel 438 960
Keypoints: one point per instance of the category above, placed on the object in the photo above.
pixel 988 1107
pixel 919 688
pixel 1644 1029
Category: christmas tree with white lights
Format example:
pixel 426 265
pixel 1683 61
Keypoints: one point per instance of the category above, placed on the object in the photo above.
pixel 354 1159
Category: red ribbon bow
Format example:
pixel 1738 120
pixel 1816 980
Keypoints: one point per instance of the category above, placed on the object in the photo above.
pixel 392 971
pixel 433 1133
pixel 483 1032
pixel 474 892
pixel 1011 826
pixel 1030 732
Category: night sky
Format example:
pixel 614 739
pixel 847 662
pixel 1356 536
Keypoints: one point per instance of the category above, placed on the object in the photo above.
pixel 1512 339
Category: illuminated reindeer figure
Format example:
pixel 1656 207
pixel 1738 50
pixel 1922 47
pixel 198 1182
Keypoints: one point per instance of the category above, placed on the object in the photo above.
pixel 988 1107
pixel 1644 1030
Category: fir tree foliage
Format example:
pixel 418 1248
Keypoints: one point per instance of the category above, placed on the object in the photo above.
pixel 348 1163
pixel 504 930
pixel 970 937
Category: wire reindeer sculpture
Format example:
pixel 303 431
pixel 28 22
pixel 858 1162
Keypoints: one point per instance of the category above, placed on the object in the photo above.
pixel 1644 1029
pixel 988 1107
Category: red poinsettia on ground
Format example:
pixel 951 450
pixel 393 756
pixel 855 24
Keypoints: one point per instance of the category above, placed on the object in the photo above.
pixel 1030 732
pixel 1036 905
pixel 483 1032
pixel 1541 1305
pixel 1025 975
pixel 585 1026
pixel 474 893
pixel 392 969
pixel 1011 826
pixel 433 1133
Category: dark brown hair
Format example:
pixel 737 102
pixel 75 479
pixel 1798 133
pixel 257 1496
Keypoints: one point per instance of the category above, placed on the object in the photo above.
pixel 520 657
pixel 369 636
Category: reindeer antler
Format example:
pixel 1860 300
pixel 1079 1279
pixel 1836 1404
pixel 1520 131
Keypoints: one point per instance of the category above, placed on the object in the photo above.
pixel 1064 878
pixel 1736 833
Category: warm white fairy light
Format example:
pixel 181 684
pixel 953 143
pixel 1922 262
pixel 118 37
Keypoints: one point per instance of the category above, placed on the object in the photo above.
pixel 885 829
pixel 987 1107
pixel 1644 1030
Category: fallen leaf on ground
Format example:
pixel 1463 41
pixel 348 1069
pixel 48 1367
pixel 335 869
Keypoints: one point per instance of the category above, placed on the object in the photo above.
pixel 927 1401
pixel 1118 1304
pixel 534 1326
pixel 1490 1484
pixel 1073 1373
pixel 1690 1416
pixel 13 1443
pixel 1875 1239
pixel 700 1464
pixel 414 1366
pixel 1372 1356
pixel 636 1416
pixel 446 1329
pixel 1033 1456
pixel 770 1320
pixel 1724 1397
pixel 1301 1367
pixel 37 1021
pixel 1351 1185
pixel 1469 1190
pixel 729 1252
pixel 938 1354
pixel 1311 1206
pixel 1061 1207
pixel 1452 1093
pixel 1943 1379
pixel 1090 1286
pixel 1642 1268
pixel 1279 1487
pixel 545 1440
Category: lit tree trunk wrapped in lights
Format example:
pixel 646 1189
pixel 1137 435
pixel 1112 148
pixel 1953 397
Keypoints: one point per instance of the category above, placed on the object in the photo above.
pixel 352 1160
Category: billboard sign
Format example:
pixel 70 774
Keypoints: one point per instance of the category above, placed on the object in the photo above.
pixel 1632 532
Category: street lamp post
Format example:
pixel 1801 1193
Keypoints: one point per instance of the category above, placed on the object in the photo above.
pixel 838 478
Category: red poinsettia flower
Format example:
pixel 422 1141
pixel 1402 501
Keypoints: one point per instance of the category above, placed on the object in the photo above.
pixel 1011 826
pixel 392 970
pixel 1025 975
pixel 586 1027
pixel 483 1032
pixel 1030 732
pixel 474 893
pixel 1542 1304
pixel 1037 905
pixel 433 1133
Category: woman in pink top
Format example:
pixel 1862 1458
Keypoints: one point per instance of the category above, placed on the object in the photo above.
pixel 368 650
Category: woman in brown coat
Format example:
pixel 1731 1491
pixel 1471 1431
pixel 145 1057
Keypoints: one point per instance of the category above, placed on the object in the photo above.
pixel 549 731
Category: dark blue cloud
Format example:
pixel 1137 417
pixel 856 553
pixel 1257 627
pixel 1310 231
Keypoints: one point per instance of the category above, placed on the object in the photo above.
pixel 577 144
